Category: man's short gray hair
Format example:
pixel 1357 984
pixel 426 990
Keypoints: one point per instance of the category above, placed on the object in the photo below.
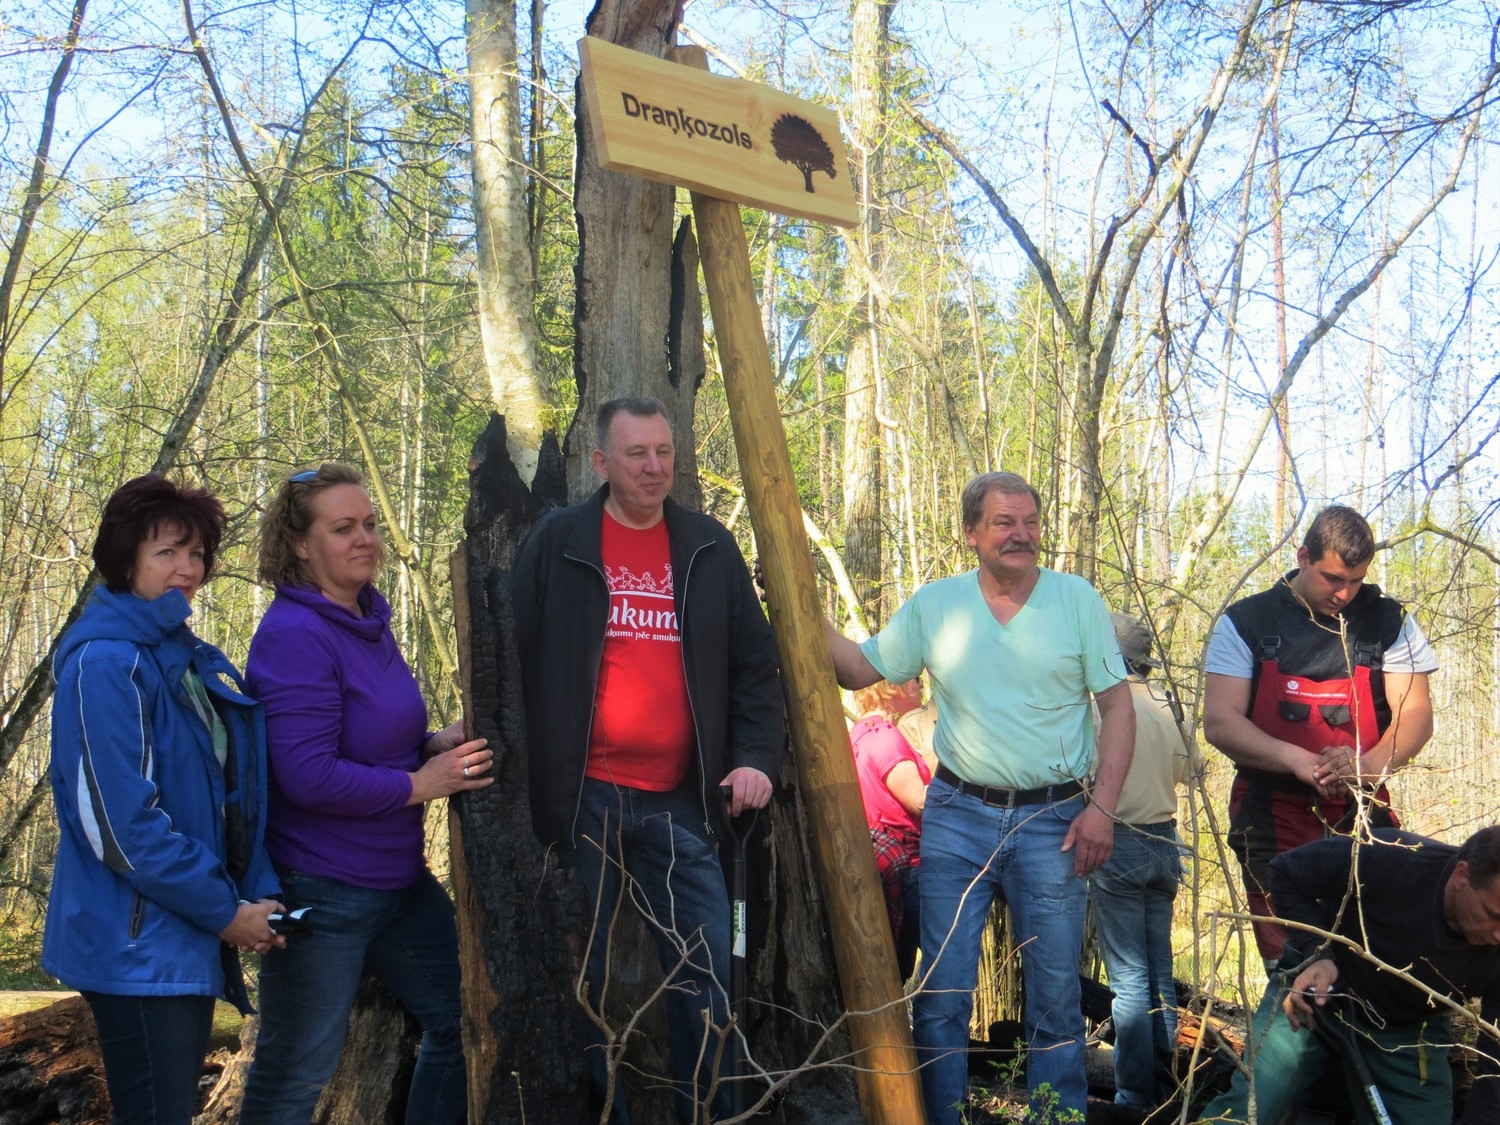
pixel 985 483
pixel 640 407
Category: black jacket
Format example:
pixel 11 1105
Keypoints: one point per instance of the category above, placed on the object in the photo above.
pixel 1400 880
pixel 1276 624
pixel 561 605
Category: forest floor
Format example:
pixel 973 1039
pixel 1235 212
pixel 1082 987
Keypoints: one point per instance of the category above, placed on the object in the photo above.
pixel 227 1019
pixel 14 1003
pixel 1006 1105
pixel 998 1103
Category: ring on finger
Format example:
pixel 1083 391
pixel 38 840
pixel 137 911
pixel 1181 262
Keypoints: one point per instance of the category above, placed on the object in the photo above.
pixel 466 771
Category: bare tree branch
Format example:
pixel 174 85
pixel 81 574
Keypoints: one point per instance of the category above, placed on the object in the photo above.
pixel 327 351
pixel 34 194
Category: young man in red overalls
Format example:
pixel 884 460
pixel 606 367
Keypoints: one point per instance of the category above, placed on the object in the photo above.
pixel 1317 691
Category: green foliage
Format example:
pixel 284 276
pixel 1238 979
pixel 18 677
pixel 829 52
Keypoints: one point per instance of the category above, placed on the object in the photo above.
pixel 20 956
pixel 1042 1107
pixel 1012 1072
pixel 1045 1109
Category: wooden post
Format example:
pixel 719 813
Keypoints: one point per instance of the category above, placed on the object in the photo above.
pixel 889 1090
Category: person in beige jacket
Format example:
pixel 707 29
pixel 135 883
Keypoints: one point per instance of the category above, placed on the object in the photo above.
pixel 1133 892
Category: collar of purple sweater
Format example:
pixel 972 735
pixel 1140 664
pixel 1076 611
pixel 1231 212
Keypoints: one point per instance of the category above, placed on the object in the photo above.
pixel 377 616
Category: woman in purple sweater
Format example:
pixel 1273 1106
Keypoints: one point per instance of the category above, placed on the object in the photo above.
pixel 352 764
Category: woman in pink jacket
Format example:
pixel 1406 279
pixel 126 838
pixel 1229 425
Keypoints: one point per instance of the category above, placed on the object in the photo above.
pixel 893 781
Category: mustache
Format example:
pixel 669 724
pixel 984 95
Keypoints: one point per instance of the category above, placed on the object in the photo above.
pixel 1021 548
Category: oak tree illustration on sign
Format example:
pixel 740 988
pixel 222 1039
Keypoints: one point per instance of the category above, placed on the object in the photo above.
pixel 796 142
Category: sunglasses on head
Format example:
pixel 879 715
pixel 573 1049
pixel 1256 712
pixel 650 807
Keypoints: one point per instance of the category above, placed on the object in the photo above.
pixel 303 477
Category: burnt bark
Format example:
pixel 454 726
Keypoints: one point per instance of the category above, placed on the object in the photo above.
pixel 638 321
pixel 686 359
pixel 531 918
pixel 639 331
pixel 528 913
pixel 794 1001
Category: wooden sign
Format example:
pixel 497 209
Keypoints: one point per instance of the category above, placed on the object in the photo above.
pixel 724 137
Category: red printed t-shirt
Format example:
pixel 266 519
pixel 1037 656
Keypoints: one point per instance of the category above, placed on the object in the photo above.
pixel 643 724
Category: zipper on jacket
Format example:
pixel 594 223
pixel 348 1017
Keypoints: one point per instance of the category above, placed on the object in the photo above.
pixel 593 691
pixel 703 782
pixel 218 772
pixel 137 915
pixel 237 827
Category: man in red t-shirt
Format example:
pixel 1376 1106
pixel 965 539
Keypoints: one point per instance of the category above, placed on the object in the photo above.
pixel 649 674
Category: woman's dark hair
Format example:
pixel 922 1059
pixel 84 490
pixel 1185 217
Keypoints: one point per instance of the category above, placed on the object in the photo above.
pixel 139 509
pixel 290 515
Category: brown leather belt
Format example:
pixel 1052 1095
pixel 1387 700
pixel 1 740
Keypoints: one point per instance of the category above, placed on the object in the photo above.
pixel 998 796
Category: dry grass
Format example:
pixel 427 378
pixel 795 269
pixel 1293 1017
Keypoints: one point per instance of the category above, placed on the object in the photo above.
pixel 14 1003
pixel 227 1020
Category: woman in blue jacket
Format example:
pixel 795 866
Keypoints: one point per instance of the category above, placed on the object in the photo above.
pixel 159 778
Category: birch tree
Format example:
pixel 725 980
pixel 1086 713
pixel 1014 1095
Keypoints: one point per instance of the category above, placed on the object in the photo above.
pixel 864 532
pixel 506 265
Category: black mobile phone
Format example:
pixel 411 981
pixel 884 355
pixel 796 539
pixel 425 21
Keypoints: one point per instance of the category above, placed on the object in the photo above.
pixel 293 923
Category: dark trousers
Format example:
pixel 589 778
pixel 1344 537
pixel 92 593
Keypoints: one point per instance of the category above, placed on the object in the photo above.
pixel 153 1049
pixel 652 849
pixel 408 939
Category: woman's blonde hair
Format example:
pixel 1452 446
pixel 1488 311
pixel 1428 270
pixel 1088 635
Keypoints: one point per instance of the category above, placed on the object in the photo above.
pixel 878 698
pixel 289 516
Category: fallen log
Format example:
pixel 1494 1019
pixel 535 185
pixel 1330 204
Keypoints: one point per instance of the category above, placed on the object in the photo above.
pixel 50 1067
pixel 1192 1031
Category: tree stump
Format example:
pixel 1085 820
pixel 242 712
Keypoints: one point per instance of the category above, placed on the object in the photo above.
pixel 527 914
pixel 369 1086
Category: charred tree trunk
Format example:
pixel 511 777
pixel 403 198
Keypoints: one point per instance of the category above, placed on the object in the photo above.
pixel 638 321
pixel 639 329
pixel 793 989
pixel 523 916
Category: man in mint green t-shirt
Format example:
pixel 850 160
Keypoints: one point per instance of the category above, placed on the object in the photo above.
pixel 1022 802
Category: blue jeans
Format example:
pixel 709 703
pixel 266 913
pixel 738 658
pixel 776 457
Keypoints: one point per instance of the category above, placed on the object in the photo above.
pixel 911 924
pixel 1132 896
pixel 674 878
pixel 970 854
pixel 153 1048
pixel 409 940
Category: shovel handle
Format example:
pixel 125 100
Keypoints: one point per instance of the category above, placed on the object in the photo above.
pixel 740 838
